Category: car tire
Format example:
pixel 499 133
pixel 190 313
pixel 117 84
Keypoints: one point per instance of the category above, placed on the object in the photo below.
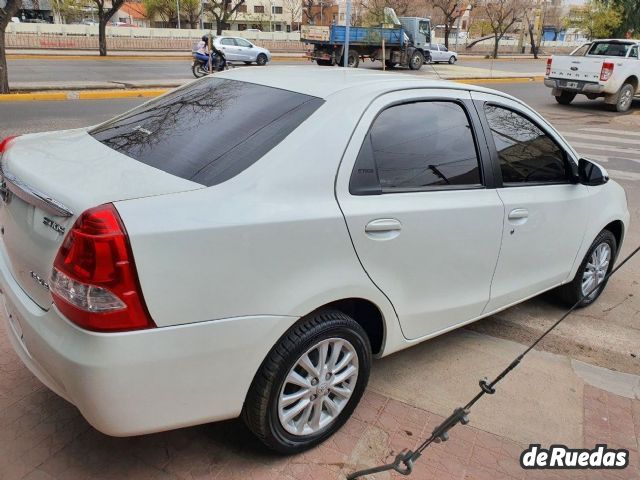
pixel 416 61
pixel 268 414
pixel 624 99
pixel 261 60
pixel 452 60
pixel 591 266
pixel 565 98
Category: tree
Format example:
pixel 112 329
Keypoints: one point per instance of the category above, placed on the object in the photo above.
pixel 8 9
pixel 451 10
pixel 165 9
pixel 222 11
pixel 530 15
pixel 104 14
pixel 597 19
pixel 630 21
pixel 375 9
pixel 314 10
pixel 294 7
pixel 501 15
pixel 190 11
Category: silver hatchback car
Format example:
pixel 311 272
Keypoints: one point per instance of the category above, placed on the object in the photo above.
pixel 238 49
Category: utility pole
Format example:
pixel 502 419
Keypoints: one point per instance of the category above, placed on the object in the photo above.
pixel 178 10
pixel 347 25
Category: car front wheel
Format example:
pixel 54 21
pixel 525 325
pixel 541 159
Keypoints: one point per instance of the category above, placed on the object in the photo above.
pixel 261 60
pixel 589 281
pixel 310 382
pixel 452 60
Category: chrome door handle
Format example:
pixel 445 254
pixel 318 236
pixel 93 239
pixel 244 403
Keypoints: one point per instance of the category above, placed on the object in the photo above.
pixel 383 225
pixel 518 214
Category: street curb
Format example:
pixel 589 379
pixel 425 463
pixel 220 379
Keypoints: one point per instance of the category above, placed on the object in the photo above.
pixel 82 95
pixel 105 94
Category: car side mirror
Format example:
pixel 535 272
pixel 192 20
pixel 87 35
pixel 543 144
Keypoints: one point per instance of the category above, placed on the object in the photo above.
pixel 590 173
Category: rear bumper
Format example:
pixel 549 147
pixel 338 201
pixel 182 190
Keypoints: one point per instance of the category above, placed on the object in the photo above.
pixel 146 381
pixel 583 87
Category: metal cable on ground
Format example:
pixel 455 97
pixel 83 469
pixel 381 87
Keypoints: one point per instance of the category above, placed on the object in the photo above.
pixel 404 461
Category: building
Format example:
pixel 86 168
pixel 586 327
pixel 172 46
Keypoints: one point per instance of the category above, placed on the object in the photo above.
pixel 132 13
pixel 266 16
pixel 35 11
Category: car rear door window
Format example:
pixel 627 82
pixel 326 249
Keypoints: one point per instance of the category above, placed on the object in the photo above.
pixel 417 146
pixel 210 130
pixel 526 153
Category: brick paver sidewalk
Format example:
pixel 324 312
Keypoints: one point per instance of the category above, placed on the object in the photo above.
pixel 44 437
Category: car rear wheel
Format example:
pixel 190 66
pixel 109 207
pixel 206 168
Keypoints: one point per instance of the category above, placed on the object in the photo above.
pixel 310 382
pixel 565 98
pixel 452 59
pixel 589 281
pixel 261 60
pixel 625 98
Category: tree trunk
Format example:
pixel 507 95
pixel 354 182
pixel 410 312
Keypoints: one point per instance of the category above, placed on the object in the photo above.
pixel 102 36
pixel 446 34
pixel 219 27
pixel 4 77
pixel 495 45
pixel 534 47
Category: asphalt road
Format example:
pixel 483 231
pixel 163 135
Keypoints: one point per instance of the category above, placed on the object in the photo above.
pixel 109 69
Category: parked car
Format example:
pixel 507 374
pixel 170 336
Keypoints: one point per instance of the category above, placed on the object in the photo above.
pixel 603 68
pixel 441 54
pixel 242 50
pixel 158 275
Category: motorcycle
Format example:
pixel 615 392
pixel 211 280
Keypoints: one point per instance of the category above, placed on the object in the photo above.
pixel 200 67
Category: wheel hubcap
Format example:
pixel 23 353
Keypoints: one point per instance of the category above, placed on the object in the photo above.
pixel 318 387
pixel 626 98
pixel 596 269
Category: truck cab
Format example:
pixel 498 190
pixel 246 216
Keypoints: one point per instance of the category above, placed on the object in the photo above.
pixel 418 29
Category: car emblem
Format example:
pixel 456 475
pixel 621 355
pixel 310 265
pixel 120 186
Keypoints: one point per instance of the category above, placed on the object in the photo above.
pixel 55 226
pixel 574 68
pixel 39 279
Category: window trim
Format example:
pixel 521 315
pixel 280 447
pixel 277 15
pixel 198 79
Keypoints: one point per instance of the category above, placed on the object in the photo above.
pixel 570 167
pixel 466 106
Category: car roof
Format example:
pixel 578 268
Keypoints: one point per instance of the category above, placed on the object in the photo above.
pixel 323 81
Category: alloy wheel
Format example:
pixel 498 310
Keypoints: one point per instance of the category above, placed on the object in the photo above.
pixel 318 387
pixel 596 269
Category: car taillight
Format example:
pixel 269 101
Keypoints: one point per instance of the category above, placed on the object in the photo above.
pixel 549 60
pixel 6 143
pixel 94 282
pixel 606 72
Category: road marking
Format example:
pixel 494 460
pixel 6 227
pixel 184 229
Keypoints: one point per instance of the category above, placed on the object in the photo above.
pixel 621 175
pixel 603 138
pixel 607 148
pixel 608 130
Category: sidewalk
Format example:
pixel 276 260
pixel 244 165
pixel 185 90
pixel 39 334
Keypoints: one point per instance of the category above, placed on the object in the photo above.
pixel 545 400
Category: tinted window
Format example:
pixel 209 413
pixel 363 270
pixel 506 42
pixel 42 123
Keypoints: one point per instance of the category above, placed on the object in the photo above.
pixel 634 52
pixel 610 49
pixel 581 51
pixel 210 130
pixel 416 146
pixel 526 153
pixel 227 41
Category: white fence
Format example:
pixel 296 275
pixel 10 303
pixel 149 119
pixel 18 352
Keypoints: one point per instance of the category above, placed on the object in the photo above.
pixel 139 32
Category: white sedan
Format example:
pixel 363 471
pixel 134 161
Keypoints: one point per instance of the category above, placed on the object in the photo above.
pixel 207 255
pixel 237 49
pixel 441 54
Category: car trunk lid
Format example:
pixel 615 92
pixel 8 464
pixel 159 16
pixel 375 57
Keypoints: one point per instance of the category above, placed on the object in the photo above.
pixel 573 68
pixel 48 180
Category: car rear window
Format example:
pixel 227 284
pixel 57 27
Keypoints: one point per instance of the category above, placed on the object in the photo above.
pixel 210 130
pixel 610 49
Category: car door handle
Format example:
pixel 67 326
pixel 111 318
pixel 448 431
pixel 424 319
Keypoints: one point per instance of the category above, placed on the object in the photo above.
pixel 383 225
pixel 518 214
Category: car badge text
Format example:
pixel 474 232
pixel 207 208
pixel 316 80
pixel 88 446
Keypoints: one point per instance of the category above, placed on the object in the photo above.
pixel 39 279
pixel 55 226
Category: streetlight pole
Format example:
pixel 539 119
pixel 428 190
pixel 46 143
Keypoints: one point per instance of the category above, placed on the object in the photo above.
pixel 178 10
pixel 347 25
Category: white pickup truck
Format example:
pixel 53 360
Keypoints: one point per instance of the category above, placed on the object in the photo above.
pixel 602 68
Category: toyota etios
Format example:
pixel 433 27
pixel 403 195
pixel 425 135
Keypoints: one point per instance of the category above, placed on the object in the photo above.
pixel 245 244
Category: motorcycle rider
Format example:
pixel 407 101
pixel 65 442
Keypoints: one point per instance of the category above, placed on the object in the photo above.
pixel 205 55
